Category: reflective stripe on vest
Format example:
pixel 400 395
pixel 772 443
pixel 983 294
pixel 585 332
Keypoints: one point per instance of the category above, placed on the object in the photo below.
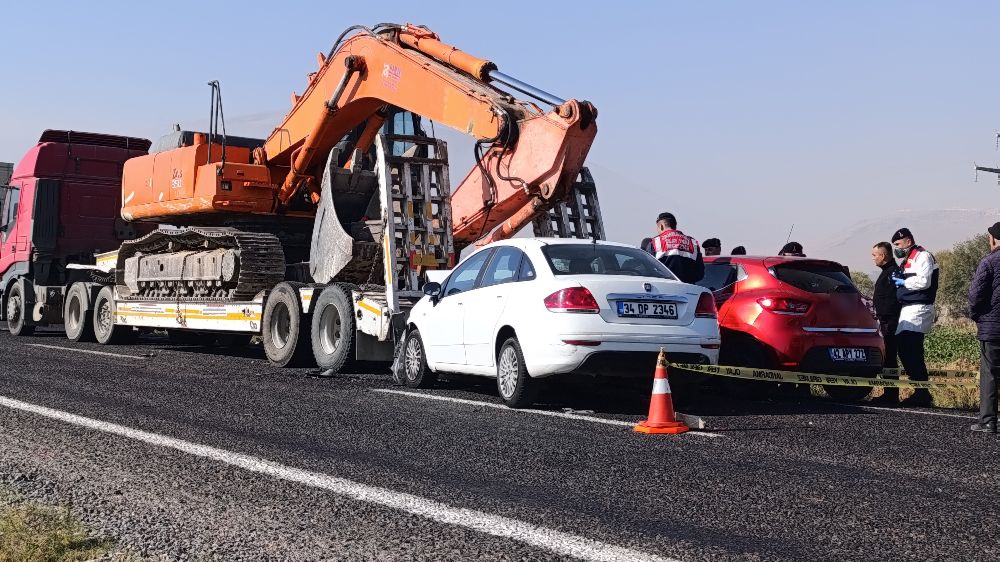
pixel 675 243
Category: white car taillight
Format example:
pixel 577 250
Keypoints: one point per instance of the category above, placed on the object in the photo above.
pixel 573 299
pixel 706 307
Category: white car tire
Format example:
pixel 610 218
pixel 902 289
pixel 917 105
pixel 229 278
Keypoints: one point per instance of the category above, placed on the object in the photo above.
pixel 416 373
pixel 515 385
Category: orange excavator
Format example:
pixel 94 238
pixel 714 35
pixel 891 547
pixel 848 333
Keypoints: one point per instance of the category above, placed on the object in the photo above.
pixel 528 157
pixel 348 191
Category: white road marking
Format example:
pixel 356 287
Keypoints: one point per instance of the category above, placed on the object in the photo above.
pixel 905 411
pixel 526 410
pixel 549 539
pixel 63 348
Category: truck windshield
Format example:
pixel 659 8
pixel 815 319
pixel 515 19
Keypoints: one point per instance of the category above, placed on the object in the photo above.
pixel 11 196
pixel 600 259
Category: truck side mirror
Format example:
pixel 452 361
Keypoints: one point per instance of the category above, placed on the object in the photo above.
pixel 433 290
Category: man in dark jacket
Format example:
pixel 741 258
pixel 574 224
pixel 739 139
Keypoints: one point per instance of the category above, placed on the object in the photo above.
pixel 678 251
pixel 887 309
pixel 984 306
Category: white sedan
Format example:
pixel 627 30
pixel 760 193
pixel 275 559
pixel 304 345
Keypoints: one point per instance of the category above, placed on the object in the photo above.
pixel 528 308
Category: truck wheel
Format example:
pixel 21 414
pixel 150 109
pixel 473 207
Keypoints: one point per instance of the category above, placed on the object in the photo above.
pixel 105 330
pixel 333 329
pixel 77 316
pixel 418 374
pixel 516 387
pixel 286 329
pixel 17 313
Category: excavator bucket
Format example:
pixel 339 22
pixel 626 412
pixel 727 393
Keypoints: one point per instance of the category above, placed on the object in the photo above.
pixel 333 249
pixel 387 225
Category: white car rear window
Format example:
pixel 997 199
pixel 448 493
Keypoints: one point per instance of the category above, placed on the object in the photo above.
pixel 599 259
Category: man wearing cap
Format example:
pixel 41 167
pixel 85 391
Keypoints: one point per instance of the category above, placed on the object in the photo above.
pixel 916 289
pixel 793 249
pixel 712 247
pixel 738 251
pixel 679 252
pixel 984 306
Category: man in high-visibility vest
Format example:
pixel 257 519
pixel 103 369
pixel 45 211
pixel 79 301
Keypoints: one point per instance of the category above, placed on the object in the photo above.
pixel 676 250
pixel 916 289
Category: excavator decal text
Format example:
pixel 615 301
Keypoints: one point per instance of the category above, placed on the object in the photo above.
pixel 177 179
pixel 390 76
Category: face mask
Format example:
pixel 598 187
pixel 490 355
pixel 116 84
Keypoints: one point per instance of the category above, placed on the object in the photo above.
pixel 900 252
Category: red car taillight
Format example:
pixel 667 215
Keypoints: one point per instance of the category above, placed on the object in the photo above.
pixel 706 307
pixel 573 299
pixel 783 306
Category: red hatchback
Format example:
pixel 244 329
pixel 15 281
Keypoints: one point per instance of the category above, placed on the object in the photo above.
pixel 794 314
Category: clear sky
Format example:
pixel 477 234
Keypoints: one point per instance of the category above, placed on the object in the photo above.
pixel 740 117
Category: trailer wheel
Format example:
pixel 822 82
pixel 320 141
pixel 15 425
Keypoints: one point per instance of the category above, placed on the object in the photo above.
pixel 77 315
pixel 285 328
pixel 17 313
pixel 105 330
pixel 333 329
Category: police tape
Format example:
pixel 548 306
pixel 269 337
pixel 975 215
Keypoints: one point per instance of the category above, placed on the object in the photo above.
pixel 940 373
pixel 773 375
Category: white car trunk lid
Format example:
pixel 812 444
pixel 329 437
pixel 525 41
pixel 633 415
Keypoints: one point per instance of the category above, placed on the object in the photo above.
pixel 642 300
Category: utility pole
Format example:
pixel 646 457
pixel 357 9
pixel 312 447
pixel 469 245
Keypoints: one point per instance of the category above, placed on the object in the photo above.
pixel 988 169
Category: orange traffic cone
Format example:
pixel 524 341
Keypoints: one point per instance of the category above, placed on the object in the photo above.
pixel 661 406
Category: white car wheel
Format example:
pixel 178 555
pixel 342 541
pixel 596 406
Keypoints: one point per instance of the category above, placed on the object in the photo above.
pixel 507 372
pixel 418 374
pixel 515 385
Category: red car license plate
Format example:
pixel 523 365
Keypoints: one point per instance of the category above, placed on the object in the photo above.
pixel 848 354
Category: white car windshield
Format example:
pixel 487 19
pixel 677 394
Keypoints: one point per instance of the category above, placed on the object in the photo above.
pixel 600 259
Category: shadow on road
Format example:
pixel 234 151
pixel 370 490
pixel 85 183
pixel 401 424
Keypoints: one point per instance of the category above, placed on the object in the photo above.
pixel 609 396
pixel 631 397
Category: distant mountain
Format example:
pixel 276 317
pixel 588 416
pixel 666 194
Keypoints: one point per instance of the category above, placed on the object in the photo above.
pixel 935 230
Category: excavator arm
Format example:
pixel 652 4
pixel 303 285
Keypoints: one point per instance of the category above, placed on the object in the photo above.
pixel 532 157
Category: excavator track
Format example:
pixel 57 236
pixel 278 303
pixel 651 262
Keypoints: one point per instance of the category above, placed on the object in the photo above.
pixel 260 264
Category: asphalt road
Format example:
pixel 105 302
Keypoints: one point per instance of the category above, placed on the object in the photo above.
pixel 192 453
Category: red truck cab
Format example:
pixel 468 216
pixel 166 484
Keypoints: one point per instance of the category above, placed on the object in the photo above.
pixel 62 204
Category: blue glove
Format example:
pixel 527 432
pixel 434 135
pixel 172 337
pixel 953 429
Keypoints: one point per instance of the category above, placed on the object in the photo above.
pixel 899 282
